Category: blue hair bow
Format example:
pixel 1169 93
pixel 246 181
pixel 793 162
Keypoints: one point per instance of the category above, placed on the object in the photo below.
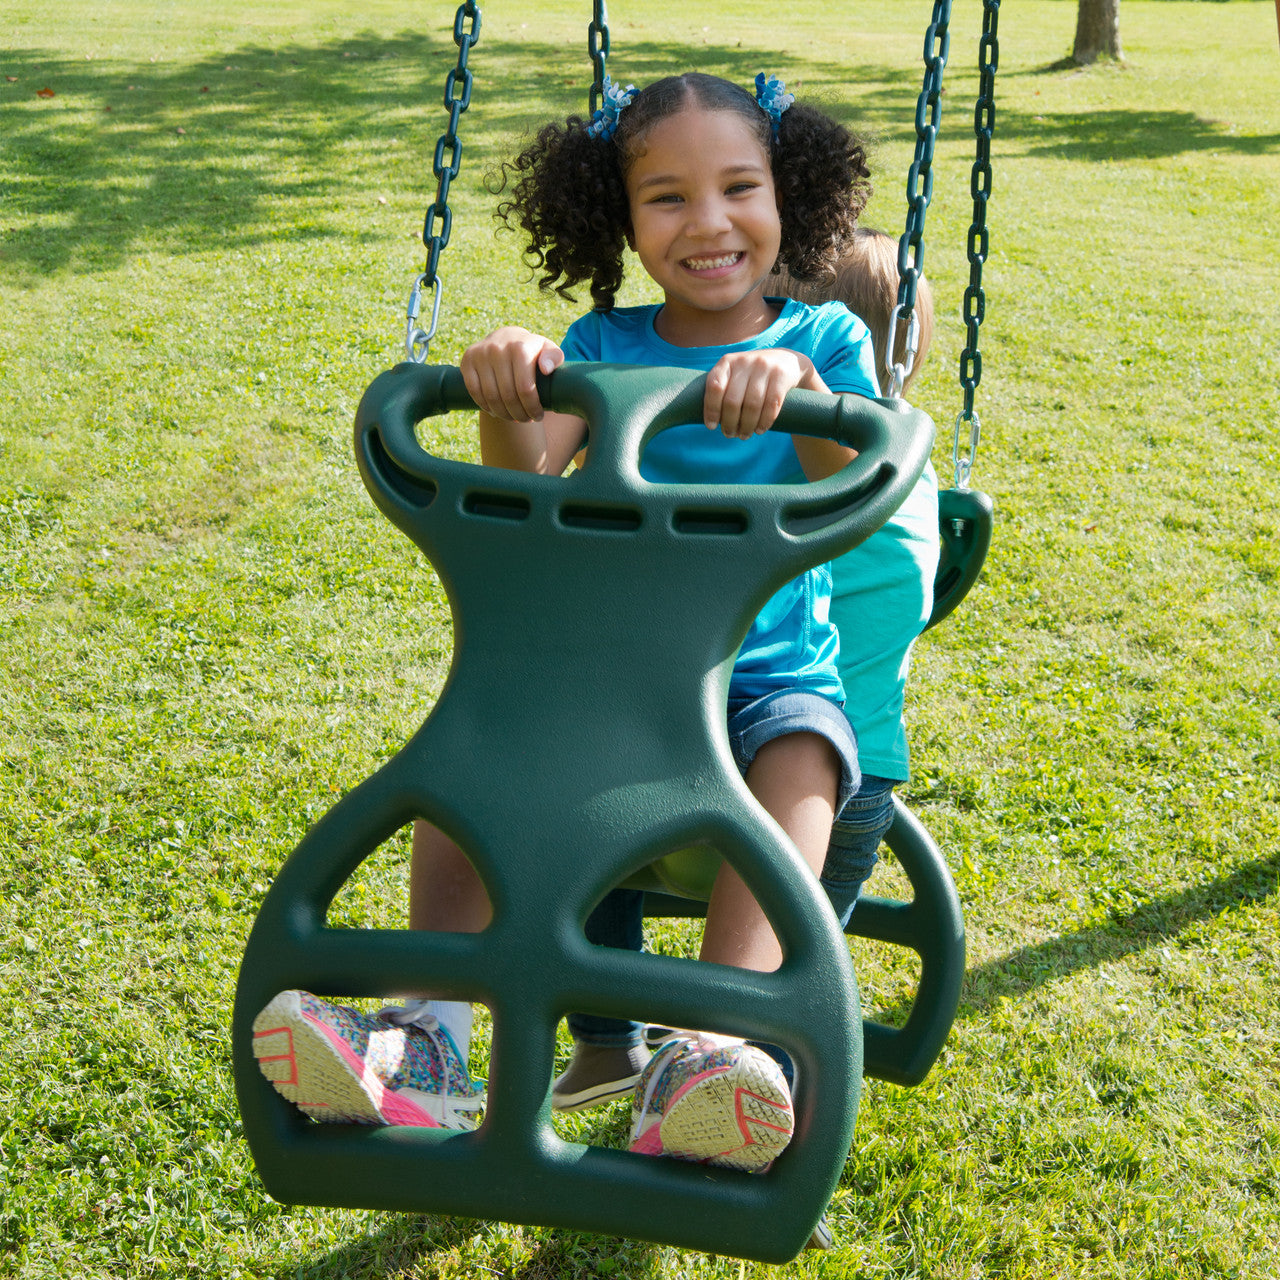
pixel 773 98
pixel 604 122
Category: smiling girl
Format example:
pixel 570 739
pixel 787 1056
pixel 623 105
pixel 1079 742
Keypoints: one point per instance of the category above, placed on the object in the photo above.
pixel 712 188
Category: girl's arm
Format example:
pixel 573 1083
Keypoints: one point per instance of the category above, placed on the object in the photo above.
pixel 745 391
pixel 545 447
pixel 821 458
pixel 515 431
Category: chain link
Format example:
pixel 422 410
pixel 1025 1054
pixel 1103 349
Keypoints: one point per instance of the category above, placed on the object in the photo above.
pixel 975 302
pixel 445 166
pixel 937 45
pixel 598 48
pixel 900 370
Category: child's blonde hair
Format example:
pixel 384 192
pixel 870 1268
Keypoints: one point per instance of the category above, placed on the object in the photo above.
pixel 866 281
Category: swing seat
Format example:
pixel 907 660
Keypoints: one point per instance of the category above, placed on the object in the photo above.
pixel 557 581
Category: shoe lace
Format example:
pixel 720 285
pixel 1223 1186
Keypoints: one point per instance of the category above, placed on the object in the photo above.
pixel 671 1047
pixel 414 1014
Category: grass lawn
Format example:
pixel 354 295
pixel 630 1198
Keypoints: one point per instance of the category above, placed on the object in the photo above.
pixel 208 225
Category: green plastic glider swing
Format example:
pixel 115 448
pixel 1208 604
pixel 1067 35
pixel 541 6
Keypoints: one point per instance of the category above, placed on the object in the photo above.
pixel 534 568
pixel 640 766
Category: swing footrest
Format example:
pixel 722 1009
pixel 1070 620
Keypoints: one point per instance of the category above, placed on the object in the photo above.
pixel 931 924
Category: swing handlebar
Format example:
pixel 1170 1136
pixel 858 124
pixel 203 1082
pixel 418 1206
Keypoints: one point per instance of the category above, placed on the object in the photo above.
pixel 793 526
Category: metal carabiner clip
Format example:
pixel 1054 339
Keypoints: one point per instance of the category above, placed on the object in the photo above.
pixel 899 373
pixel 964 465
pixel 416 339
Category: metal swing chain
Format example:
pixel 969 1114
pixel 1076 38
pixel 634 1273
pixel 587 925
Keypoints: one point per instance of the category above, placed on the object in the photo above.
pixel 466 31
pixel 598 48
pixel 975 303
pixel 937 44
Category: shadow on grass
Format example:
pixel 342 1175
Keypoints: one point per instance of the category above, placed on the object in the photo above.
pixel 256 145
pixel 406 1242
pixel 1123 135
pixel 237 149
pixel 1122 934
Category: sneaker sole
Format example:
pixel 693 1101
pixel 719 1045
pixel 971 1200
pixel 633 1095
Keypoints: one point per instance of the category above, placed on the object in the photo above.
pixel 595 1096
pixel 311 1066
pixel 737 1117
pixel 821 1237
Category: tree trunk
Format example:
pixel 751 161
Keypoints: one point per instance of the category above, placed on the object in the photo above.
pixel 1097 31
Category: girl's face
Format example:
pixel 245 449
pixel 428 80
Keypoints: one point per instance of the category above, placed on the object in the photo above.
pixel 704 222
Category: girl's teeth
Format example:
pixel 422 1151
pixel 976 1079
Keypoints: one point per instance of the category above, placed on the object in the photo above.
pixel 707 264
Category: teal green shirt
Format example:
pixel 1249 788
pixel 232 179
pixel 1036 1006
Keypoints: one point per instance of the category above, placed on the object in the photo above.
pixel 883 597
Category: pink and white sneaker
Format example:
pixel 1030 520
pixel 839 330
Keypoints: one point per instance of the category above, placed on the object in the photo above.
pixel 340 1066
pixel 715 1100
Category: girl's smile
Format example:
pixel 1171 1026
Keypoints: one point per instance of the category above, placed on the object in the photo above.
pixel 705 265
pixel 704 222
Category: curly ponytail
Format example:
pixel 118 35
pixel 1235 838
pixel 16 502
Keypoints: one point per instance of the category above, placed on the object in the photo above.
pixel 823 184
pixel 568 197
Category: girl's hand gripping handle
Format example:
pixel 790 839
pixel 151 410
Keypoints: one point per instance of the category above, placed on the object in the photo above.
pixel 745 394
pixel 501 370
pixel 516 432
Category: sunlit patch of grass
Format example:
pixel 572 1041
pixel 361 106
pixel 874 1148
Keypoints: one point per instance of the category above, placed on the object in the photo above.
pixel 208 634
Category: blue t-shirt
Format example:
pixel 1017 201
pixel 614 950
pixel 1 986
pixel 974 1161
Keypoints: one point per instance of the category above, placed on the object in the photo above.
pixel 793 642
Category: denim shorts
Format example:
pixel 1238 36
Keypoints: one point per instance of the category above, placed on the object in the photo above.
pixel 755 721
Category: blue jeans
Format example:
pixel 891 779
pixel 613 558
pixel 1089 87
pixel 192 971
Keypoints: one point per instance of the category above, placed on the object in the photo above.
pixel 865 815
pixel 855 842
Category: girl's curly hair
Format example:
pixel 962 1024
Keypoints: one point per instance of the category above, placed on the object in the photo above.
pixel 568 195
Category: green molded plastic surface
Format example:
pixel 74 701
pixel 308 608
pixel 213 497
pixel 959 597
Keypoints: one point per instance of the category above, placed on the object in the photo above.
pixel 931 924
pixel 965 518
pixel 579 735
